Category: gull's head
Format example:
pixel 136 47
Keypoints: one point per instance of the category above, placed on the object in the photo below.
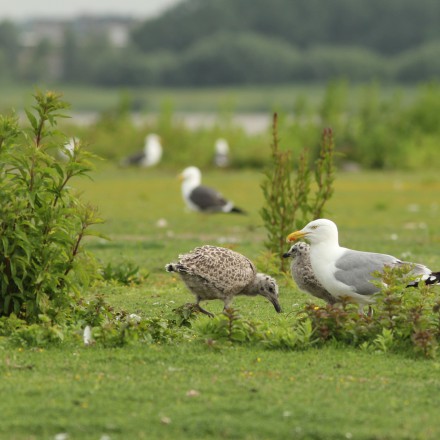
pixel 221 146
pixel 268 288
pixel 298 250
pixel 191 175
pixel 153 142
pixel 152 138
pixel 317 231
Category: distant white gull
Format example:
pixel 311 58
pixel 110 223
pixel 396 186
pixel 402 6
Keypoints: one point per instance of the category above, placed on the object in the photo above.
pixel 212 272
pixel 66 152
pixel 302 272
pixel 221 156
pixel 202 198
pixel 149 156
pixel 349 273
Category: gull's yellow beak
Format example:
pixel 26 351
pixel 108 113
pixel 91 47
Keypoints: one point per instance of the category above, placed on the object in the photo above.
pixel 295 236
pixel 180 177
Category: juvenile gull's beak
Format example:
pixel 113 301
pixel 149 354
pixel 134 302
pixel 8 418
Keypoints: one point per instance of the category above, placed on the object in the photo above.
pixel 276 304
pixel 287 254
pixel 295 236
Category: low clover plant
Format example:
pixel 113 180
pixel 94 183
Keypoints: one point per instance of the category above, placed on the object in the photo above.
pixel 126 273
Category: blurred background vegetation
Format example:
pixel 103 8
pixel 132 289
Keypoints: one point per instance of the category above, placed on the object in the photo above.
pixel 211 42
pixel 367 68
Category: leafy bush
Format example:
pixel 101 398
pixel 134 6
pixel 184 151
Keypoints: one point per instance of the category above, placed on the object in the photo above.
pixel 290 203
pixel 43 264
pixel 403 319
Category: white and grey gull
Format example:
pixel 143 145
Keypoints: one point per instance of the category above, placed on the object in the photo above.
pixel 212 272
pixel 350 273
pixel 149 156
pixel 203 198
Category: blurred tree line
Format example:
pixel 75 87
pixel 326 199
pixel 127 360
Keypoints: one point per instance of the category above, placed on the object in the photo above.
pixel 213 42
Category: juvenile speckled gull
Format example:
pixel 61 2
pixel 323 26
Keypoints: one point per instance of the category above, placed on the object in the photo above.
pixel 349 273
pixel 149 156
pixel 302 272
pixel 212 272
pixel 202 198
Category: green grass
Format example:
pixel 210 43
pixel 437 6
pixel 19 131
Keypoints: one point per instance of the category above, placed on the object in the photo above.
pixel 243 392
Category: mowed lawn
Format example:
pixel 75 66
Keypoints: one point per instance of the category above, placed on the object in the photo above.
pixel 199 390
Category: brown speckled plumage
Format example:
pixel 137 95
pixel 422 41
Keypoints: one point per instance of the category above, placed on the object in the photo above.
pixel 302 272
pixel 212 272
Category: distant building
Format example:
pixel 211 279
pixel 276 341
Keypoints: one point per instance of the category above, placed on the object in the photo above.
pixel 49 35
pixel 115 29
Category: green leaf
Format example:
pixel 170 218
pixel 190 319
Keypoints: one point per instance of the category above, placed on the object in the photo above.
pixel 32 120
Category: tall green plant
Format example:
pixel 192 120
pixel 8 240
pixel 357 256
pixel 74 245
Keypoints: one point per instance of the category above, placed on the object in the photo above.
pixel 43 265
pixel 290 202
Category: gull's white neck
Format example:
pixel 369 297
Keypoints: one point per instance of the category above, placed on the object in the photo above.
pixel 189 184
pixel 325 248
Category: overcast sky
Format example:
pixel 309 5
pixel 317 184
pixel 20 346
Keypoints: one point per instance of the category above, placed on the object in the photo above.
pixel 22 9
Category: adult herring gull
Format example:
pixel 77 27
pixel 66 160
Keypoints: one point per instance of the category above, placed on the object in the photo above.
pixel 202 198
pixel 302 272
pixel 212 272
pixel 349 273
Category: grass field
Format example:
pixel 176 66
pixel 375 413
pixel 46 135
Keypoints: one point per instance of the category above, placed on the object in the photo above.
pixel 195 390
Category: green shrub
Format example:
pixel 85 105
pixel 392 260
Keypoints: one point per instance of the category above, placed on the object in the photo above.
pixel 43 264
pixel 288 202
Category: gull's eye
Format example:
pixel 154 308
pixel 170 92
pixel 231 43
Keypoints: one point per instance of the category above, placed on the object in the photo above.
pixel 314 227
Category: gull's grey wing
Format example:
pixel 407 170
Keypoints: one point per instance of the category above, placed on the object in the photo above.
pixel 355 268
pixel 135 158
pixel 207 199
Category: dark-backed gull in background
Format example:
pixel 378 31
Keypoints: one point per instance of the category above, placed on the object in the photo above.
pixel 349 273
pixel 302 272
pixel 212 272
pixel 221 155
pixel 202 198
pixel 149 156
